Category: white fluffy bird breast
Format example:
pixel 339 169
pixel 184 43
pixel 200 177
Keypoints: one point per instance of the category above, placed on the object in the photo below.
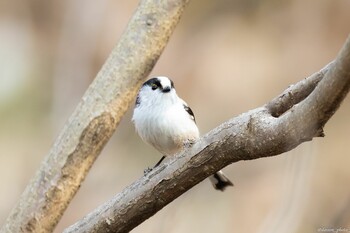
pixel 162 119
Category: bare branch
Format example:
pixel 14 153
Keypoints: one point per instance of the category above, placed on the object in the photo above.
pixel 280 126
pixel 296 93
pixel 96 117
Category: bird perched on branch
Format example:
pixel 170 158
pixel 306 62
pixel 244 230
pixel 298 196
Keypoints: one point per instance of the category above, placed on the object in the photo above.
pixel 164 120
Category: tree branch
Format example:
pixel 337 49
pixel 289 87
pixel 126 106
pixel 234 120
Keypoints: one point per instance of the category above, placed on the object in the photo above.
pixel 96 117
pixel 296 93
pixel 296 116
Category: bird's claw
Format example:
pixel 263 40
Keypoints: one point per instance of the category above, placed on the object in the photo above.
pixel 147 170
pixel 188 143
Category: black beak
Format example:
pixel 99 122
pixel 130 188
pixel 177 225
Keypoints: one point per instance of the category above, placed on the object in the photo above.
pixel 166 89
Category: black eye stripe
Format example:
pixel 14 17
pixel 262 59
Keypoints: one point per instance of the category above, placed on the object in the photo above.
pixel 138 100
pixel 157 83
pixel 154 86
pixel 154 83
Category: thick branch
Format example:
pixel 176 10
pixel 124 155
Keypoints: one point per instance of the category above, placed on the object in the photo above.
pixel 255 134
pixel 96 117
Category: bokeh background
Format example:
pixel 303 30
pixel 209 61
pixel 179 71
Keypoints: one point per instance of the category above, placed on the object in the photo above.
pixel 225 57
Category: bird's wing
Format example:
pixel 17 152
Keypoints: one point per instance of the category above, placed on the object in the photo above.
pixel 189 111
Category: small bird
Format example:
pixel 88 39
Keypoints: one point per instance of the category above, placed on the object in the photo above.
pixel 164 120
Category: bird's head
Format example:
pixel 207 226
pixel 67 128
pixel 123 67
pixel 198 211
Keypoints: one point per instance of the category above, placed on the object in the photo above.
pixel 155 90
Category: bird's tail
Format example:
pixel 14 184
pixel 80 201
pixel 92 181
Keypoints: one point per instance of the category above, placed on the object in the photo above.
pixel 220 181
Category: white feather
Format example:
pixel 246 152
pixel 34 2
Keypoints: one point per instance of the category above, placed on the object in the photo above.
pixel 162 121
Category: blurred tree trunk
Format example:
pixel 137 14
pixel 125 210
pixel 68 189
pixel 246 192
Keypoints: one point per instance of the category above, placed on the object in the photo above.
pixel 96 117
pixel 77 43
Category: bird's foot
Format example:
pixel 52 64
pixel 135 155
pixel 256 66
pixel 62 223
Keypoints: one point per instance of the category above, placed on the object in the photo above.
pixel 188 143
pixel 147 170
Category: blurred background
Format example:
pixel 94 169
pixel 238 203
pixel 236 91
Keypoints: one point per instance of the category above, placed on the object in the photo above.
pixel 225 57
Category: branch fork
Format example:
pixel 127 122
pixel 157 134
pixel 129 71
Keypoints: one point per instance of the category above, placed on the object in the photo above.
pixel 297 115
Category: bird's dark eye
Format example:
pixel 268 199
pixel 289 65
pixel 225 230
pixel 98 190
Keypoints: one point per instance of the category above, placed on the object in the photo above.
pixel 154 86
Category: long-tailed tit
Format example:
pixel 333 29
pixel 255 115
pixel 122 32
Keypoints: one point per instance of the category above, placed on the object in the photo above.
pixel 165 121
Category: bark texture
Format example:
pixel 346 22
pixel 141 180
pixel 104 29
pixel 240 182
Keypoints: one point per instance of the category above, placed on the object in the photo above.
pixel 296 116
pixel 93 122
